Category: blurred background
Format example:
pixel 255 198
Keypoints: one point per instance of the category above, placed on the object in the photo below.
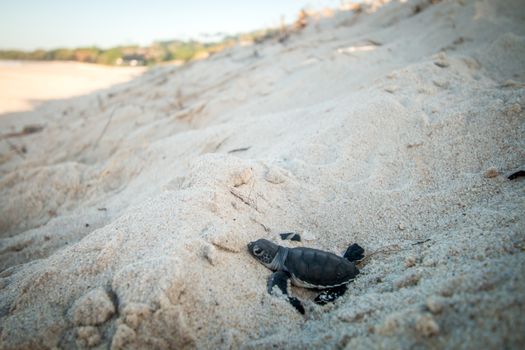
pixel 139 32
pixel 58 48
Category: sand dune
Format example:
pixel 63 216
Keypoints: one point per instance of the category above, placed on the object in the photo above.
pixel 125 219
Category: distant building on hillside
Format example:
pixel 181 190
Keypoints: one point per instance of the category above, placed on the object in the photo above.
pixel 132 60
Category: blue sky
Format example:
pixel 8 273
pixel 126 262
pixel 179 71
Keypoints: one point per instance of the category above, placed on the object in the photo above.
pixel 31 24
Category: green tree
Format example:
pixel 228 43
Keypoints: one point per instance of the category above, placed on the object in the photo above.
pixel 109 56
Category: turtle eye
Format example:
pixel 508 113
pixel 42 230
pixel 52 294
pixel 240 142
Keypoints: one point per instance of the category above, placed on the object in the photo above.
pixel 257 251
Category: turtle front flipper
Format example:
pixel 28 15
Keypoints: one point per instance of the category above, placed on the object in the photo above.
pixel 354 253
pixel 330 295
pixel 280 279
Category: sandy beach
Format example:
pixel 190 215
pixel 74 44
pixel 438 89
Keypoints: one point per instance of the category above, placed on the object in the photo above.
pixel 25 85
pixel 125 212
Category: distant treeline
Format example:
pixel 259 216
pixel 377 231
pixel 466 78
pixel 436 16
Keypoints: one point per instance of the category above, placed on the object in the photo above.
pixel 157 52
pixel 134 55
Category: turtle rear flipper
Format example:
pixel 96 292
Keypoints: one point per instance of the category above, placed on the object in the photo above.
pixel 330 295
pixel 280 279
pixel 354 253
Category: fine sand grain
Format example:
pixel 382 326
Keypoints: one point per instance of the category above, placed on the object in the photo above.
pixel 125 218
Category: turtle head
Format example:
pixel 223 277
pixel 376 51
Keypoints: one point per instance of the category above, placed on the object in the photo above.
pixel 264 251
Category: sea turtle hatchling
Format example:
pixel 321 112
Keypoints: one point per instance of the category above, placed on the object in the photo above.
pixel 308 268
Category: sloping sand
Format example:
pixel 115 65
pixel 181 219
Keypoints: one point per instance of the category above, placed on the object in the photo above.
pixel 125 222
